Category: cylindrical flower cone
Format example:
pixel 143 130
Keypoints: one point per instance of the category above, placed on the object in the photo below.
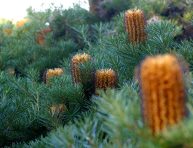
pixel 75 69
pixel 105 78
pixel 57 109
pixel 162 91
pixel 135 25
pixel 7 31
pixel 40 39
pixel 52 73
pixel 22 22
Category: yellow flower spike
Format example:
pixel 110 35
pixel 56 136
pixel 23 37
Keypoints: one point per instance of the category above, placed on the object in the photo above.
pixel 7 31
pixel 58 108
pixel 105 78
pixel 162 91
pixel 75 69
pixel 22 22
pixel 41 35
pixel 52 73
pixel 135 25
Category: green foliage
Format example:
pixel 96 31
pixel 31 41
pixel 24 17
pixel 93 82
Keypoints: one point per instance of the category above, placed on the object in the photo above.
pixel 160 39
pixel 25 101
pixel 153 7
pixel 87 76
pixel 25 106
pixel 185 49
pixel 74 135
pixel 114 7
pixel 15 49
pixel 188 16
pixel 71 95
pixel 39 17
pixel 179 136
pixel 117 122
pixel 107 9
pixel 161 35
pixel 64 24
pixel 23 113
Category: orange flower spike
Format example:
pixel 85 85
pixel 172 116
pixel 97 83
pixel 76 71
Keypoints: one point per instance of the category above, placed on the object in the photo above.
pixel 135 25
pixel 162 91
pixel 40 39
pixel 53 72
pixel 22 22
pixel 7 31
pixel 141 20
pixel 58 108
pixel 105 78
pixel 75 69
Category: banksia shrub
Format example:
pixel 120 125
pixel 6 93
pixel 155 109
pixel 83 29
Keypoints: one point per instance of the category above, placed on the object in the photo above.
pixel 40 39
pixel 162 91
pixel 52 73
pixel 75 65
pixel 105 78
pixel 135 25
